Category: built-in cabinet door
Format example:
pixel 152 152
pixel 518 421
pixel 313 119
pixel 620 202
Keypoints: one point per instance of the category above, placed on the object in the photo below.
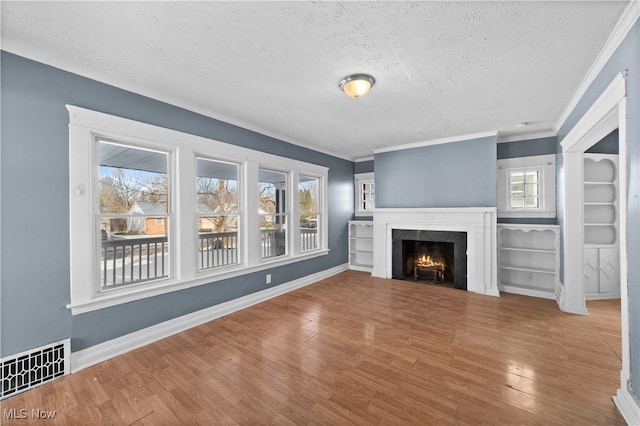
pixel 608 260
pixel 591 270
pixel 600 270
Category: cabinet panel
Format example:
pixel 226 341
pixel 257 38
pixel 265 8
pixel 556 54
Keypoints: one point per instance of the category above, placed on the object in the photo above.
pixel 590 270
pixel 609 274
pixel 601 271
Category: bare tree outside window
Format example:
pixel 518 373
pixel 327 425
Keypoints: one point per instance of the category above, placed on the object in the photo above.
pixel 134 214
pixel 217 201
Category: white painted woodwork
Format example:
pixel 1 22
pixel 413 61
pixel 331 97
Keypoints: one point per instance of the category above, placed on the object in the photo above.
pixel 85 125
pixel 478 222
pixel 361 245
pixel 546 167
pixel 529 259
pixel 601 233
pixel 597 121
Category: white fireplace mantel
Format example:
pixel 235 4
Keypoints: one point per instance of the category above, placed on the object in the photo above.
pixel 478 222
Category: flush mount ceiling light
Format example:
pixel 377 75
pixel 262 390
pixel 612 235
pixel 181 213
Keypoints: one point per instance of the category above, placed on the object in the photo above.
pixel 356 85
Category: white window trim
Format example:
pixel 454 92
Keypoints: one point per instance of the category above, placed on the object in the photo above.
pixel 85 125
pixel 360 178
pixel 546 166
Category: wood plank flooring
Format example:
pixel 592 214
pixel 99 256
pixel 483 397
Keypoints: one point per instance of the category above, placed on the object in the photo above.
pixel 359 350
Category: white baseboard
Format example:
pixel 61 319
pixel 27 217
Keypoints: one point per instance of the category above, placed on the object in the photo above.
pixel 628 406
pixel 528 292
pixel 118 346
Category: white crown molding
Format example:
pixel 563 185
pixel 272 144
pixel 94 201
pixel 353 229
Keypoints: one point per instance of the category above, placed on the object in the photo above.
pixel 603 111
pixel 360 160
pixel 440 141
pixel 118 346
pixel 526 136
pixel 31 53
pixel 622 28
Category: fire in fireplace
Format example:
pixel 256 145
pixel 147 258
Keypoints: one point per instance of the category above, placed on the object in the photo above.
pixel 430 256
pixel 428 267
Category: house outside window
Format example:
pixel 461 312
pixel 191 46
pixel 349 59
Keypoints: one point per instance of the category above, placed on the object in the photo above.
pixel 217 206
pixel 365 194
pixel 154 210
pixel 134 210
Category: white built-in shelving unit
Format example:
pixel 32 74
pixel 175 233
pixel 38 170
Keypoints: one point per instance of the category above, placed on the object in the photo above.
pixel 361 245
pixel 528 259
pixel 601 233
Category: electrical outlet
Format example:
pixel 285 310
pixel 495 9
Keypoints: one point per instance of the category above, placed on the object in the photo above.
pixel 268 279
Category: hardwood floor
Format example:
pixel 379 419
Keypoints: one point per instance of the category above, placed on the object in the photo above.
pixel 359 350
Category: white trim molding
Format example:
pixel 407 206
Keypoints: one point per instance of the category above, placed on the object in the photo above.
pixel 622 28
pixel 504 137
pixel 118 346
pixel 607 113
pixel 546 167
pixel 439 141
pixel 87 126
pixel 480 224
pixel 363 159
pixel 628 406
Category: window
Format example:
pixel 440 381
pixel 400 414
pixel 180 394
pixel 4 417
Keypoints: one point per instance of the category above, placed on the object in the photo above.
pixel 526 187
pixel 272 202
pixel 134 203
pixel 154 210
pixel 365 194
pixel 309 210
pixel 217 201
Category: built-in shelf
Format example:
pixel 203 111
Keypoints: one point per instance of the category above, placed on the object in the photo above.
pixel 528 249
pixel 528 259
pixel 528 269
pixel 361 245
pixel 601 234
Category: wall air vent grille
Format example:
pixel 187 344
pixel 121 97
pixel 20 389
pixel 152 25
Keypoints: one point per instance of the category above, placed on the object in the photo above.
pixel 23 371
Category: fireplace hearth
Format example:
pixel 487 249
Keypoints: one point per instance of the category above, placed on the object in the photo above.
pixel 430 256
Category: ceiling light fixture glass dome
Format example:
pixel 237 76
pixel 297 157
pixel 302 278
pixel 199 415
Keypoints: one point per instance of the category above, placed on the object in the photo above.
pixel 356 85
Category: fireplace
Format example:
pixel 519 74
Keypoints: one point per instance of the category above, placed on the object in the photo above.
pixel 438 257
pixel 478 223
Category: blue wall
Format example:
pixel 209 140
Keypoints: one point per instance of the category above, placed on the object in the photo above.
pixel 34 239
pixel 364 166
pixel 608 145
pixel 626 57
pixel 528 148
pixel 456 174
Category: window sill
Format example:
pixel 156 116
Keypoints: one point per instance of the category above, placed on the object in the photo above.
pixel 133 293
pixel 526 214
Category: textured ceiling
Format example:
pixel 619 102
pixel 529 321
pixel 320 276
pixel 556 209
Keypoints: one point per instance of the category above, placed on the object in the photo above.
pixel 442 69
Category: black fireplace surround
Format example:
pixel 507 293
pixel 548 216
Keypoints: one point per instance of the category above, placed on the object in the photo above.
pixel 459 240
